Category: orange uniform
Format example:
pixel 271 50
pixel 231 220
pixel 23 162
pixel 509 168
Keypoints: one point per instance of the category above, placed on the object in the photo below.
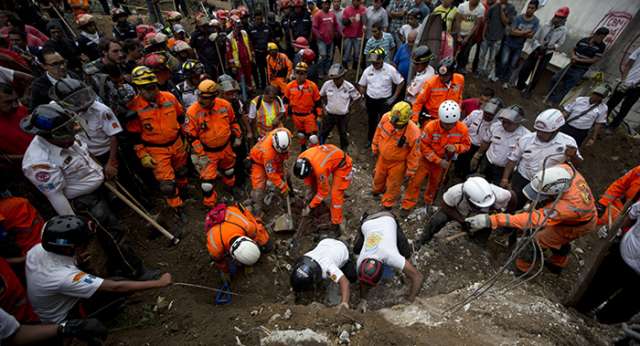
pixel 434 92
pixel 278 70
pixel 303 100
pixel 212 131
pixel 624 188
pixel 572 217
pixel 237 222
pixel 159 130
pixel 432 147
pixel 13 296
pixel 22 222
pixel 327 160
pixel 397 157
pixel 267 163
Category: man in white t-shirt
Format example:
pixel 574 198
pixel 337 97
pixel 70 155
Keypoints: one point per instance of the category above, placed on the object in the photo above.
pixel 467 22
pixel 381 242
pixel 55 283
pixel 471 197
pixel 586 116
pixel 628 91
pixel 328 260
pixel 337 96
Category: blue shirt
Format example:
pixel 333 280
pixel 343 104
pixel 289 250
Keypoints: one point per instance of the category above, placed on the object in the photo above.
pixel 403 60
pixel 523 25
pixel 386 41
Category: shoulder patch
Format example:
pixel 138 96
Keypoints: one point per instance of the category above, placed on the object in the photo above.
pixel 42 177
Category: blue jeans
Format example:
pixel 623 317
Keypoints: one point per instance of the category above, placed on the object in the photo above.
pixel 351 49
pixel 326 54
pixel 571 78
pixel 488 52
pixel 508 60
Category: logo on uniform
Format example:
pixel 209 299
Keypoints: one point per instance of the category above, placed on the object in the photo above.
pixel 373 240
pixel 43 176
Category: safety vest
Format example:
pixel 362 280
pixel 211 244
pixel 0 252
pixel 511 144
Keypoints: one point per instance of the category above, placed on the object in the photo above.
pixel 234 47
pixel 266 115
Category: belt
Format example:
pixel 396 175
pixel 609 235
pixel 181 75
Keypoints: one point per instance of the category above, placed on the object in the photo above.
pixel 161 145
pixel 216 149
pixel 300 114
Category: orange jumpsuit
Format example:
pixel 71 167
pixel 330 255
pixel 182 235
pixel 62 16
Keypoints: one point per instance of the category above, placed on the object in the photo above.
pixel 303 99
pixel 434 92
pixel 326 160
pixel 22 222
pixel 624 188
pixel 159 130
pixel 212 131
pixel 394 162
pixel 267 163
pixel 238 222
pixel 432 147
pixel 573 216
pixel 278 70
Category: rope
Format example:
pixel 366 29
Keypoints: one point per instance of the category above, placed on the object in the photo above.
pixel 206 288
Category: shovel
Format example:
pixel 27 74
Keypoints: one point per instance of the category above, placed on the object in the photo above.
pixel 284 222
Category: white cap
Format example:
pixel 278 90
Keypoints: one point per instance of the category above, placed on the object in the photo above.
pixel 245 251
pixel 549 182
pixel 549 120
pixel 478 192
pixel 449 112
pixel 281 141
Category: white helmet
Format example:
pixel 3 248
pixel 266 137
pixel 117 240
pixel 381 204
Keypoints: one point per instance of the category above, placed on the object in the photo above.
pixel 556 180
pixel 549 120
pixel 449 112
pixel 281 141
pixel 478 192
pixel 245 251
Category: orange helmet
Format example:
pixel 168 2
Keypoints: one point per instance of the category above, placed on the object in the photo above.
pixel 207 87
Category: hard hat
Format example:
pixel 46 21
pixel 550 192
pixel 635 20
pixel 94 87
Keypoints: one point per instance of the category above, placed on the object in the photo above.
pixel 222 14
pixel 301 43
pixel 308 55
pixel 493 105
pixel 284 4
pixel 224 78
pixel 143 75
pixel 207 86
pixel 148 38
pixel 155 61
pixel 562 12
pixel 305 274
pixel 549 120
pixel 421 55
pixel 550 182
pixel 173 16
pixel 336 71
pixel 202 21
pixel 376 54
pixel 245 251
pixel 302 167
pixel 72 94
pixel 281 141
pixel 449 112
pixel 602 90
pixel 191 67
pixel 181 46
pixel 229 85
pixel 214 23
pixel 178 28
pixel 47 119
pixel 370 271
pixel 84 19
pixel 62 234
pixel 478 191
pixel 143 29
pixel 401 113
pixel 298 3
pixel 118 12
pixel 446 66
pixel 302 66
pixel 159 38
pixel 513 113
pixel 272 46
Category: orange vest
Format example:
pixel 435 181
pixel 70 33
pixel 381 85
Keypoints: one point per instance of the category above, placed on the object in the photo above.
pixel 624 188
pixel 237 222
pixel 265 155
pixel 280 66
pixel 435 139
pixel 156 123
pixel 325 160
pixel 302 99
pixel 264 116
pixel 212 126
pixel 385 143
pixel 434 92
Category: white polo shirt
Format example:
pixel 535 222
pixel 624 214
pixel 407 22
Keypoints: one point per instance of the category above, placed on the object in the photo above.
pixel 331 255
pixel 454 197
pixel 633 77
pixel 630 245
pixel 101 125
pixel 380 242
pixel 55 284
pixel 415 87
pixel 581 104
pixel 530 153
pixel 61 173
pixel 478 127
pixel 380 82
pixel 502 143
pixel 338 99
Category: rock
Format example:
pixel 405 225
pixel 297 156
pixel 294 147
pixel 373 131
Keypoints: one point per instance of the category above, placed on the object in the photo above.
pixel 254 313
pixel 344 338
pixel 295 337
pixel 357 326
pixel 287 314
pixel 274 317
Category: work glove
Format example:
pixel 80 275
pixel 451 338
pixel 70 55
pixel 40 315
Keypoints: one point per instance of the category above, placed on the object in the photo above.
pixel 200 162
pixel 450 148
pixel 237 142
pixel 90 330
pixel 306 211
pixel 148 161
pixel 479 221
pixel 390 101
pixel 444 164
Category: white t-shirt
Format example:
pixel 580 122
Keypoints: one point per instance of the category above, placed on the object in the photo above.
pixel 380 242
pixel 478 127
pixel 581 104
pixel 101 125
pixel 8 325
pixel 55 284
pixel 454 197
pixel 630 245
pixel 380 82
pixel 633 77
pixel 406 29
pixel 530 153
pixel 331 255
pixel 338 99
pixel 502 143
pixel 469 17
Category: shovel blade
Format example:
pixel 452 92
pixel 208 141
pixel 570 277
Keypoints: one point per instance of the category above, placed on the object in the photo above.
pixel 283 224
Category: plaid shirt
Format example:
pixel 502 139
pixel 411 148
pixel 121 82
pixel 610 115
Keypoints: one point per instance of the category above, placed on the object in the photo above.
pixel 397 6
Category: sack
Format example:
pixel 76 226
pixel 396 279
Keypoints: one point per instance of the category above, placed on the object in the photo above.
pixel 215 216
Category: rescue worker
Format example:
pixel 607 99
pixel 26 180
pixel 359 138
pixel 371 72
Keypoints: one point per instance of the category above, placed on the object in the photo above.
pixel 625 188
pixel 420 58
pixel 267 163
pixel 547 143
pixel 240 58
pixel 559 224
pixel 381 243
pixel 193 73
pixel 498 143
pixel 337 96
pixel 213 130
pixel 474 195
pixel 396 145
pixel 159 146
pixel 266 112
pixel 303 98
pixel 442 141
pixel 328 260
pixel 446 85
pixel 586 116
pixel 235 236
pixel 478 122
pixel 158 64
pixel 316 165
pixel 230 90
pixel 279 68
pixel 60 166
pixel 20 224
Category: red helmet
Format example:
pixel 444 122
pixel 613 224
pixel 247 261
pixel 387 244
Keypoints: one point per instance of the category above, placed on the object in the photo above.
pixel 562 12
pixel 143 29
pixel 221 14
pixel 308 55
pixel 148 39
pixel 298 3
pixel 301 43
pixel 284 4
pixel 155 61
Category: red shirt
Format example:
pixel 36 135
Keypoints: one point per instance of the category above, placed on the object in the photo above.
pixel 470 105
pixel 354 29
pixel 324 26
pixel 14 140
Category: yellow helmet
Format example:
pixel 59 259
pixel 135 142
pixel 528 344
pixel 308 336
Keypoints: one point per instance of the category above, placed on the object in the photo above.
pixel 207 86
pixel 302 66
pixel 272 46
pixel 401 113
pixel 142 75
pixel 376 54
